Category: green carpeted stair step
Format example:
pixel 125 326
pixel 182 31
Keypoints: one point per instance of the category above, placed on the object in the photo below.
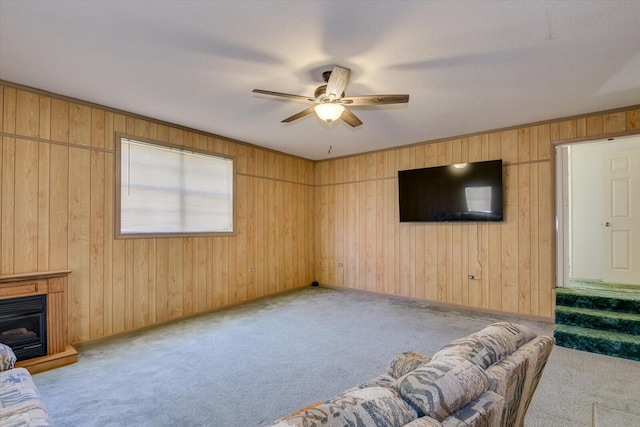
pixel 628 323
pixel 615 300
pixel 595 341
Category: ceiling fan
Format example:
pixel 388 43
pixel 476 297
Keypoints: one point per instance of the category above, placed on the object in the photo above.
pixel 330 100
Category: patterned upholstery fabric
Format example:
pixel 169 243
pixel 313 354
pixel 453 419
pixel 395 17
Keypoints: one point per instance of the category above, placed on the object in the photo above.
pixel 537 351
pixel 34 417
pixel 484 411
pixel 516 377
pixel 425 421
pixel 7 358
pixel 370 406
pixel 20 402
pixel 442 386
pixel 506 378
pixel 486 379
pixel 490 345
pixel 383 380
pixel 406 362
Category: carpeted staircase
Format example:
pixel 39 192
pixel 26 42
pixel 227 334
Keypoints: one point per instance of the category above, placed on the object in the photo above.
pixel 599 318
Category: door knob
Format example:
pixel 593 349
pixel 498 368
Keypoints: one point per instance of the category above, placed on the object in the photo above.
pixel 607 224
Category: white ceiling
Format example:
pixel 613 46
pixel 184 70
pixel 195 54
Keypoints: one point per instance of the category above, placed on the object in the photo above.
pixel 467 66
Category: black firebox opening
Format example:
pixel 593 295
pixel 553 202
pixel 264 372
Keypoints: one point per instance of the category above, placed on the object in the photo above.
pixel 23 326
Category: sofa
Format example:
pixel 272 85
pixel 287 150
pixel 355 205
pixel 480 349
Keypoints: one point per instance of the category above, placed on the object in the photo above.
pixel 20 402
pixel 485 379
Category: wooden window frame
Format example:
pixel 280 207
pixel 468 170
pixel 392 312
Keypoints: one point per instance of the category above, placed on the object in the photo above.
pixel 117 192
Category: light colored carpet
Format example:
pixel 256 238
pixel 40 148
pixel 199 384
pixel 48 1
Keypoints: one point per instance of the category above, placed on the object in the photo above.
pixel 607 417
pixel 250 365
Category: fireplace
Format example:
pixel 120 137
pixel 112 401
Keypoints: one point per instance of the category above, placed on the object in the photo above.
pixel 33 317
pixel 23 326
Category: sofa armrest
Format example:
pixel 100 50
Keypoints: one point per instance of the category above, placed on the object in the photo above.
pixel 485 410
pixel 7 358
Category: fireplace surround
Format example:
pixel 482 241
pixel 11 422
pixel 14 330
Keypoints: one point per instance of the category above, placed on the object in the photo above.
pixel 45 293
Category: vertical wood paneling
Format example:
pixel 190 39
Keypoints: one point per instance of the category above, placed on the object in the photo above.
pixel 633 119
pixel 58 207
pixel 27 114
pixel 59 120
pixel 524 239
pixel 107 281
pixel 9 110
pixel 288 230
pixel 26 206
pixel 96 269
pixel 140 273
pixel 511 260
pixel 63 218
pixel 44 196
pixel 7 200
pixel 79 244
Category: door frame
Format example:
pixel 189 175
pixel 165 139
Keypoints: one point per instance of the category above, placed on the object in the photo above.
pixel 560 233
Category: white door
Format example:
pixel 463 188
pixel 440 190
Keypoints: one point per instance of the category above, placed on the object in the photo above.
pixel 621 217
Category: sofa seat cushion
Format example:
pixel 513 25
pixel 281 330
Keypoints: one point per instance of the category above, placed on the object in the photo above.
pixel 34 417
pixel 406 362
pixel 369 406
pixel 442 386
pixel 489 345
pixel 20 400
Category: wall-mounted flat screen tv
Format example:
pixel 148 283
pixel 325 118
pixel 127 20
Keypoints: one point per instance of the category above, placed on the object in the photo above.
pixel 460 192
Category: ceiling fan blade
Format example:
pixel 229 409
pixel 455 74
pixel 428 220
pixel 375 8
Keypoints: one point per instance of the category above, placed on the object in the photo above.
pixel 338 81
pixel 298 115
pixel 350 118
pixel 284 95
pixel 375 99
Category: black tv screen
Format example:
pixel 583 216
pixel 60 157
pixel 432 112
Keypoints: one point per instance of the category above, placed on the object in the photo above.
pixel 461 192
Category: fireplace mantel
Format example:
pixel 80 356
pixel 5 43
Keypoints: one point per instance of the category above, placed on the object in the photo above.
pixel 53 284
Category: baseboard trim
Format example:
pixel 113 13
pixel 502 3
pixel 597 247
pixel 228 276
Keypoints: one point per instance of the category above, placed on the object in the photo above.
pixel 460 307
pixel 80 344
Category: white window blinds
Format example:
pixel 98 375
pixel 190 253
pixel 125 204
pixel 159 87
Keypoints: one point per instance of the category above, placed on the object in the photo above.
pixel 167 190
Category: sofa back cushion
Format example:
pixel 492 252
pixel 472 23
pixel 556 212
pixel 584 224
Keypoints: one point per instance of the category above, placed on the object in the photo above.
pixel 442 386
pixel 489 345
pixel 370 406
pixel 406 362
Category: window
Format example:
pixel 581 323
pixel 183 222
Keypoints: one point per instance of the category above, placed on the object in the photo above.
pixel 172 191
pixel 478 199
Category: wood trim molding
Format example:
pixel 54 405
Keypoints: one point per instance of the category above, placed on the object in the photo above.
pixel 33 276
pixel 591 138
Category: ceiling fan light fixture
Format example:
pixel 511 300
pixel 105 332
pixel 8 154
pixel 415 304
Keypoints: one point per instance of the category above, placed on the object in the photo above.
pixel 329 111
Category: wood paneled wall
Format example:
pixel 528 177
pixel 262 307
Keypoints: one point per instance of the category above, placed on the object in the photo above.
pixel 357 221
pixel 56 201
pixel 56 205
